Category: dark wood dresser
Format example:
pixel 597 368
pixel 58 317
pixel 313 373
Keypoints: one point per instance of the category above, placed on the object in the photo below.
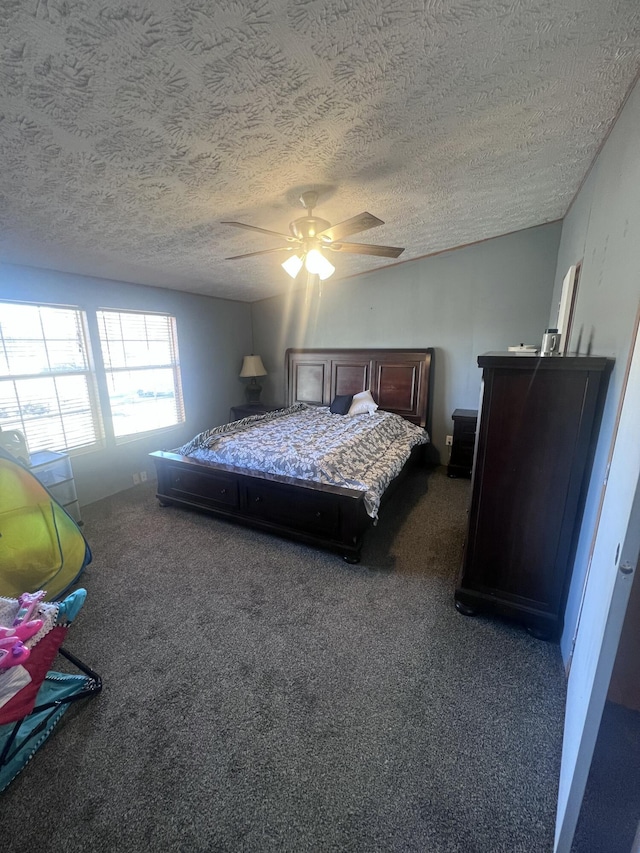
pixel 539 419
pixel 464 439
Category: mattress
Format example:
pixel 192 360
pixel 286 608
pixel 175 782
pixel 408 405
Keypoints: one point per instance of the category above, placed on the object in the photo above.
pixel 364 452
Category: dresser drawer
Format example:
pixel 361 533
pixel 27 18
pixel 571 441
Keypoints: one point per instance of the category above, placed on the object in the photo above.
pixel 216 489
pixel 64 492
pixel 464 431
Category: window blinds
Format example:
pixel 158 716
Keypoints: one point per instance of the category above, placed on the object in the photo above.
pixel 142 366
pixel 47 385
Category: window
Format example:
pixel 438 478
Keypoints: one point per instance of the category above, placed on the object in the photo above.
pixel 47 385
pixel 140 353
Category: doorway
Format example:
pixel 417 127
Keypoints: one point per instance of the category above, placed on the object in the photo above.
pixel 610 812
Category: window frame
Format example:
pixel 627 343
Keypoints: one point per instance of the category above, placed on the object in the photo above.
pixel 173 365
pixel 90 374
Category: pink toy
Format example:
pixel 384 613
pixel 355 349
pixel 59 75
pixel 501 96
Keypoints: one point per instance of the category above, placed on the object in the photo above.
pixel 12 652
pixel 22 632
pixel 28 602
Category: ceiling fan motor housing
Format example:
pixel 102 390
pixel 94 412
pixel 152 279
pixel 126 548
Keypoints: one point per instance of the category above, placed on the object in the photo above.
pixel 307 227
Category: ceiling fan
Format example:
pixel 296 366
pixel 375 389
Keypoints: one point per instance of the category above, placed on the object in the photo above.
pixel 313 238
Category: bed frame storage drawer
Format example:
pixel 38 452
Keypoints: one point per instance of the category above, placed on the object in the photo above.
pixel 217 489
pixel 294 507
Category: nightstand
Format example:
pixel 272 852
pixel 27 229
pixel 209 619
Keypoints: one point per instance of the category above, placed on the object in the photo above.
pixel 247 409
pixel 464 439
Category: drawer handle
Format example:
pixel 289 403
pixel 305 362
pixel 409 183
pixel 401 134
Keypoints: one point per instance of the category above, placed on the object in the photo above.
pixel 223 491
pixel 318 514
pixel 258 499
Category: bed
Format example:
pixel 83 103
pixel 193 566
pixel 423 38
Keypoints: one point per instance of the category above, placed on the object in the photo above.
pixel 322 514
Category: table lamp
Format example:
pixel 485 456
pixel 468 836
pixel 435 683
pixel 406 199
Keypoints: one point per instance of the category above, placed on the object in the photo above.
pixel 252 366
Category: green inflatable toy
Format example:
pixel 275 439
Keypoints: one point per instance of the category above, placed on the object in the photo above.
pixel 41 546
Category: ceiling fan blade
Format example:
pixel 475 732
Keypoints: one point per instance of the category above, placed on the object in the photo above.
pixel 366 249
pixel 263 252
pixel 355 225
pixel 262 230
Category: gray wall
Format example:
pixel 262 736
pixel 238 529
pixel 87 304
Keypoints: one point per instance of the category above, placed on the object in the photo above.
pixel 464 302
pixel 603 230
pixel 213 335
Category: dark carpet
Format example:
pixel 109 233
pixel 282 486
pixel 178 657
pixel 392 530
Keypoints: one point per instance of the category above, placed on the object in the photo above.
pixel 261 695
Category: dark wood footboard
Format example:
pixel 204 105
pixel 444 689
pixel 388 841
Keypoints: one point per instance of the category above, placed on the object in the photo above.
pixel 325 516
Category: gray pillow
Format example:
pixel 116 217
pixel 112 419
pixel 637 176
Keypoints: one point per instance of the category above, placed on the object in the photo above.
pixel 341 404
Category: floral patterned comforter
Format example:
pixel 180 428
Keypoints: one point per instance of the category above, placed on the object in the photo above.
pixel 364 452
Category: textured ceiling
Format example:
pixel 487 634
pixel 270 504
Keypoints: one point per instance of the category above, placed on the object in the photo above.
pixel 129 130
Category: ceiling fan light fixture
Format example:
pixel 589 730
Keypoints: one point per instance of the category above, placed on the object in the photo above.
pixel 317 264
pixel 292 265
pixel 312 236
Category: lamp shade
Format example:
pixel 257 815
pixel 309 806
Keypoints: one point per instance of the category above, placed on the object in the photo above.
pixel 317 264
pixel 252 366
pixel 292 265
pixel 314 262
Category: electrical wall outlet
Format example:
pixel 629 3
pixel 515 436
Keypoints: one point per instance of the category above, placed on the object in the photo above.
pixel 449 440
pixel 143 476
pixel 136 479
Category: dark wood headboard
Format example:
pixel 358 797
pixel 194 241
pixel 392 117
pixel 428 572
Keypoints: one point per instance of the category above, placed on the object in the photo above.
pixel 399 379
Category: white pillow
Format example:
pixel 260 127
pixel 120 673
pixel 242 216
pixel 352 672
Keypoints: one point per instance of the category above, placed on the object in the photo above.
pixel 362 404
